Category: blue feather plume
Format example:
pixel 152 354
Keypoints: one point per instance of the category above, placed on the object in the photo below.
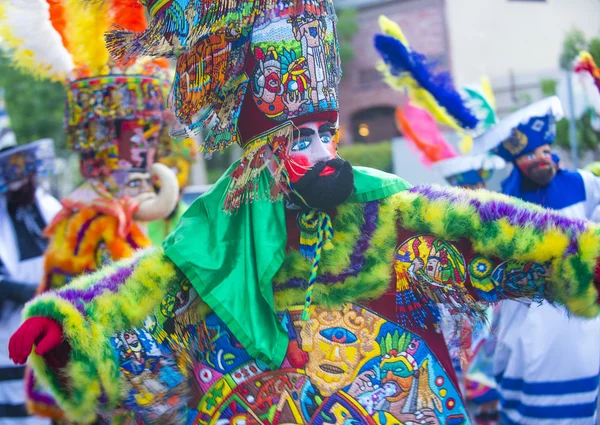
pixel 400 59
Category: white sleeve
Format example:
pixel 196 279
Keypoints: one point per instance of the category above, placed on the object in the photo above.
pixel 48 205
pixel 592 195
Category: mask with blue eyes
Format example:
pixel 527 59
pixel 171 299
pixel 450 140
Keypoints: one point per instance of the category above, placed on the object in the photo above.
pixel 305 142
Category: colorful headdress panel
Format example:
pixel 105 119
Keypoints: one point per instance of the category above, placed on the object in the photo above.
pixel 114 122
pixel 523 131
pixel 249 70
pixel 35 158
pixel 262 62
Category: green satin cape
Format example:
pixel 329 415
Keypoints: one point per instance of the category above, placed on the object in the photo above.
pixel 231 259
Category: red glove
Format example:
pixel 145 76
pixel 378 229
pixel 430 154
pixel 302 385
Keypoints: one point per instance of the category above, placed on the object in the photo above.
pixel 42 332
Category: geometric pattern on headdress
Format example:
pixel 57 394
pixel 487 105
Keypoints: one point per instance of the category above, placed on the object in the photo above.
pixel 114 122
pixel 211 40
pixel 113 111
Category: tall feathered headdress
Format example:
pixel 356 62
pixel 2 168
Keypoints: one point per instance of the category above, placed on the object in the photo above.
pixel 115 112
pixel 64 39
pixel 247 70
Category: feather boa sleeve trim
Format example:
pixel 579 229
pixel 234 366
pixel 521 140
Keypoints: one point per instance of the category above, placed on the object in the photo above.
pixel 509 229
pixel 90 310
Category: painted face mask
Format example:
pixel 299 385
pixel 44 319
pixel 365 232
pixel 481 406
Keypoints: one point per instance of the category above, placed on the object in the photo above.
pixel 538 165
pixel 317 176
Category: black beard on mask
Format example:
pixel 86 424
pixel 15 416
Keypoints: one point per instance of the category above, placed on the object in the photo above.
pixel 541 176
pixel 324 192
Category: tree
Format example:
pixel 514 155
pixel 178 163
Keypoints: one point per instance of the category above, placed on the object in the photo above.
pixel 35 107
pixel 347 27
pixel 594 49
pixel 588 139
pixel 574 43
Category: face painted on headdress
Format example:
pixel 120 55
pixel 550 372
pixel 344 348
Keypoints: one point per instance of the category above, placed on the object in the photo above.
pixel 538 165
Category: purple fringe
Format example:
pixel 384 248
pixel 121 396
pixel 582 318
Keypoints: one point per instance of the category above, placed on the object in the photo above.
pixel 110 283
pixel 37 396
pixel 82 231
pixel 497 209
pixel 357 258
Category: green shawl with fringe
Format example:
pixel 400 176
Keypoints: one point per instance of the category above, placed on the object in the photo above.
pixel 231 259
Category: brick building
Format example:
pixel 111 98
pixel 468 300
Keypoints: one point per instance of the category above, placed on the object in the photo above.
pixel 367 104
pixel 471 38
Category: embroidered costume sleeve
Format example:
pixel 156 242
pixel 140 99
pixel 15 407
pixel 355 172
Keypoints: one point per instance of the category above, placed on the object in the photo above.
pixel 90 310
pixel 474 246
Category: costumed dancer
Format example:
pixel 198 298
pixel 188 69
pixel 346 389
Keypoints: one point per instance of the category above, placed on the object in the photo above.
pixel 469 345
pixel 298 289
pixel 114 118
pixel 179 156
pixel 25 209
pixel 540 381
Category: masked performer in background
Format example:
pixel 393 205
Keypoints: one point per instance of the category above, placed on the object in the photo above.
pixel 114 119
pixel 539 382
pixel 25 209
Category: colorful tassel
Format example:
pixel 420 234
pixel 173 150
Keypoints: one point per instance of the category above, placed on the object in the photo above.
pixel 316 233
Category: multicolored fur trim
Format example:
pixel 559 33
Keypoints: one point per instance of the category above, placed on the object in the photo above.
pixel 358 268
pixel 85 236
pixel 90 310
pixel 508 229
pixel 498 227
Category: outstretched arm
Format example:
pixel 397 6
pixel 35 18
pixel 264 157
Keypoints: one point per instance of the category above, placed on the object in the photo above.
pixel 509 248
pixel 89 311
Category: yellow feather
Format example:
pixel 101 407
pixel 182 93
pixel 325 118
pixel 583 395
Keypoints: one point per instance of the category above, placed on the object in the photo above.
pixel 553 244
pixel 488 92
pixel 87 24
pixel 392 29
pixel 589 245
